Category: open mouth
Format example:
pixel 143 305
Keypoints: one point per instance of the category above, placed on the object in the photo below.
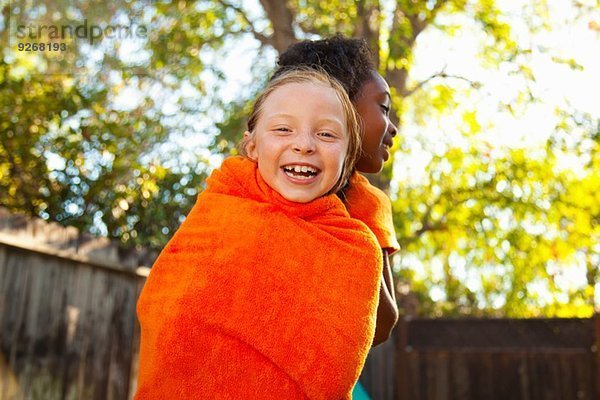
pixel 303 172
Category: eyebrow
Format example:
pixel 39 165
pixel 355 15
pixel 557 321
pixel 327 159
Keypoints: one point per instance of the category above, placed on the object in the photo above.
pixel 285 115
pixel 279 115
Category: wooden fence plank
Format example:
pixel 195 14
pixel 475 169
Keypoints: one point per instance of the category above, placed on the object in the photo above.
pixel 595 348
pixel 135 347
pixel 68 331
pixel 543 359
pixel 402 360
pixel 67 315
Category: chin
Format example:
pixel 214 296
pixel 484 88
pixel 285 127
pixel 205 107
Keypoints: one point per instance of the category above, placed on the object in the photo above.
pixel 298 198
pixel 370 167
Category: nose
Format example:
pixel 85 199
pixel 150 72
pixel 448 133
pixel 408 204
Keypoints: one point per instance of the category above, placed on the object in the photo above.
pixel 304 143
pixel 392 130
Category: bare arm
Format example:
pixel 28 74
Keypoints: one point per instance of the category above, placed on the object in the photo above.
pixel 387 310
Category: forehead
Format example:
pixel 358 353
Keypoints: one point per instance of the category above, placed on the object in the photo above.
pixel 376 85
pixel 303 97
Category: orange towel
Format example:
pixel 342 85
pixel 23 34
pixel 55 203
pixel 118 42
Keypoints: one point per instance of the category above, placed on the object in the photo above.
pixel 370 205
pixel 257 297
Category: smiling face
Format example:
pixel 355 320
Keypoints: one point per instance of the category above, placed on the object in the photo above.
pixel 300 140
pixel 373 104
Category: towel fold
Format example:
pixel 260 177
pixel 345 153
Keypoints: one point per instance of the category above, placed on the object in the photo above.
pixel 373 207
pixel 259 297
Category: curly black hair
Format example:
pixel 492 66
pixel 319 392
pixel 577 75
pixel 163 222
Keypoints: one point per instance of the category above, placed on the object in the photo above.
pixel 347 60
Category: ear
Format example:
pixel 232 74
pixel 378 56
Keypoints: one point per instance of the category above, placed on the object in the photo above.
pixel 250 146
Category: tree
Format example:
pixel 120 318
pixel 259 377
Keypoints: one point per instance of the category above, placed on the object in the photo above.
pixel 95 148
pixel 503 232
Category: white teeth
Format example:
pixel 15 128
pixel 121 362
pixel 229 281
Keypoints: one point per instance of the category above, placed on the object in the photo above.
pixel 296 171
pixel 289 173
pixel 301 168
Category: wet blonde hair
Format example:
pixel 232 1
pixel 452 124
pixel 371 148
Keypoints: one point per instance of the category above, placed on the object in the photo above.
pixel 319 77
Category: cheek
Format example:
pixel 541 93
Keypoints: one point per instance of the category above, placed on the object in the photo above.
pixel 265 147
pixel 337 155
pixel 374 133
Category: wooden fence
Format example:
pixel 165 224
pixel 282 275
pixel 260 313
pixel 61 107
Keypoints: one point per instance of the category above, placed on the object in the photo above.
pixel 488 359
pixel 67 313
pixel 68 331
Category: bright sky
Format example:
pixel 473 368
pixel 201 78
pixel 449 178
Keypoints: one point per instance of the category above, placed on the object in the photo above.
pixel 556 85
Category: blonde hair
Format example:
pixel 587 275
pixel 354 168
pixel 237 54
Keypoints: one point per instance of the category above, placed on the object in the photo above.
pixel 310 75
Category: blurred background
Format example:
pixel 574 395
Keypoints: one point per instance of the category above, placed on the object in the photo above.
pixel 106 141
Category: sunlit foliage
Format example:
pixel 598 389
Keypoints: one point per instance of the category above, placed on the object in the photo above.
pixel 120 141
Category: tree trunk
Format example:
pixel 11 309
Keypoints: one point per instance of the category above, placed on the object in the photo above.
pixel 368 26
pixel 282 18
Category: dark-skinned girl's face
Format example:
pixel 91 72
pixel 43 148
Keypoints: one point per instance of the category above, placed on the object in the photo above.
pixel 373 104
